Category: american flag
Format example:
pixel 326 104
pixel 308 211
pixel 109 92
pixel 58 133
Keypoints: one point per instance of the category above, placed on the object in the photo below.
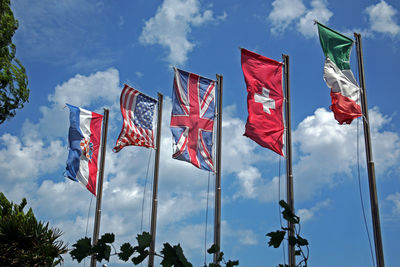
pixel 192 119
pixel 137 111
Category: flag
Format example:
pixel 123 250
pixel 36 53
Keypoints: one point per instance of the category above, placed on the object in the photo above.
pixel 84 139
pixel 192 119
pixel 137 111
pixel 338 76
pixel 263 77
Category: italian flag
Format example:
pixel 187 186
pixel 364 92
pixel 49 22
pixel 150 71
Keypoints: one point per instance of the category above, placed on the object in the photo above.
pixel 345 91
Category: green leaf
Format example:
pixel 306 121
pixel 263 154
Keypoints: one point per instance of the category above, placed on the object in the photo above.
pixel 144 240
pixel 214 248
pixel 302 241
pixel 142 256
pixel 297 253
pixel 232 263
pixel 284 205
pixel 173 256
pixel 107 238
pixel 220 256
pixel 288 213
pixel 181 256
pixel 214 265
pixel 126 252
pixel 82 249
pixel 102 251
pixel 276 238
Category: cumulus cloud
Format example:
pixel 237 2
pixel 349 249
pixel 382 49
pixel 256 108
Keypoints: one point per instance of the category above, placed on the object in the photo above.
pixel 328 151
pixel 382 18
pixel 172 24
pixel 319 12
pixel 395 199
pixel 308 214
pixel 34 155
pixel 283 13
pixel 286 12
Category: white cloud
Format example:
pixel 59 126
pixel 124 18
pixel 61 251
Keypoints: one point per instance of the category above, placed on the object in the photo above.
pixel 395 198
pixel 283 13
pixel 307 214
pixel 382 18
pixel 286 12
pixel 319 12
pixel 171 26
pixel 28 158
pixel 81 91
pixel 328 151
pixel 84 90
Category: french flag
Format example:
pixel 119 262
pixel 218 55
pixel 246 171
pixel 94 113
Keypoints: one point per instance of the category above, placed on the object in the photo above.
pixel 84 139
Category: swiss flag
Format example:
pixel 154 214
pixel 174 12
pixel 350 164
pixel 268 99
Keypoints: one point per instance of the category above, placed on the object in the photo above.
pixel 263 78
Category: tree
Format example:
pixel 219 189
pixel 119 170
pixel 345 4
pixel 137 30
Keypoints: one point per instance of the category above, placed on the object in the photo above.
pixel 14 91
pixel 24 241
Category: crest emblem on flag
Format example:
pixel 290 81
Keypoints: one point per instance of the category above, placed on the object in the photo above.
pixel 192 119
pixel 87 148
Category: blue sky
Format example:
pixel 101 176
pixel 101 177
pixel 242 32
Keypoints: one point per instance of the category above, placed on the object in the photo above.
pixel 82 52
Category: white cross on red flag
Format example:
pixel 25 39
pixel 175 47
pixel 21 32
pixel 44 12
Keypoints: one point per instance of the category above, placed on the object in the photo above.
pixel 263 77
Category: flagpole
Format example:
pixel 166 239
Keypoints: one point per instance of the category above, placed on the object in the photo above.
pixel 217 210
pixel 289 171
pixel 99 193
pixel 370 162
pixel 155 183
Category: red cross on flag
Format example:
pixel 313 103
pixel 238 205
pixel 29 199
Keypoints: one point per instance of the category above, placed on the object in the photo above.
pixel 263 77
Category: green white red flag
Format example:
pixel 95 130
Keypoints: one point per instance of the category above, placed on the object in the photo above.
pixel 345 91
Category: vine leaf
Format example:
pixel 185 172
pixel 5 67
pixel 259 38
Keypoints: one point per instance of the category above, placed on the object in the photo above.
pixel 143 254
pixel 107 238
pixel 276 238
pixel 126 252
pixel 302 241
pixel 144 240
pixel 214 248
pixel 232 263
pixel 173 256
pixel 288 214
pixel 82 249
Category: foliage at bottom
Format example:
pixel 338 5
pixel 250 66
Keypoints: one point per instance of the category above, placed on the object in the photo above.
pixel 24 241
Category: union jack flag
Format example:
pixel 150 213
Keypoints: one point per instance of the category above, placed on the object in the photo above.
pixel 192 119
pixel 137 110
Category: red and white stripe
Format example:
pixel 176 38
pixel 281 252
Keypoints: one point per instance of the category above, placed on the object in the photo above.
pixel 132 134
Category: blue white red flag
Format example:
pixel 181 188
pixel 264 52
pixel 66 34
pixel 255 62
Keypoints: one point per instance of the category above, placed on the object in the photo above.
pixel 84 139
pixel 137 110
pixel 192 119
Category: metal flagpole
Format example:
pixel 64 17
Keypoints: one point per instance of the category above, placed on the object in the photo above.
pixel 99 194
pixel 370 162
pixel 155 183
pixel 289 173
pixel 217 210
